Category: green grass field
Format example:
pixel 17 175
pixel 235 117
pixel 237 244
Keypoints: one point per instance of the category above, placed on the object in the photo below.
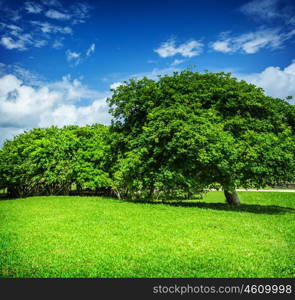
pixel 99 237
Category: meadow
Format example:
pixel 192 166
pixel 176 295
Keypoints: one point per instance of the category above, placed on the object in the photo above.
pixel 67 236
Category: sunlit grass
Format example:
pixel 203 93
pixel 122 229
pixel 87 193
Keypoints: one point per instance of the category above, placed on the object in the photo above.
pixel 99 237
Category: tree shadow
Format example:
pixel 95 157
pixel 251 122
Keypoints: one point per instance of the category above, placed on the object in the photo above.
pixel 4 197
pixel 250 208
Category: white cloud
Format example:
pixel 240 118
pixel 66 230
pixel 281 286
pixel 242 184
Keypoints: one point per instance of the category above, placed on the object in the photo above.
pixel 252 42
pixel 115 85
pixel 73 57
pixel 14 29
pixel 9 43
pixel 57 44
pixel 292 20
pixel 76 58
pixel 73 90
pixel 269 10
pixel 265 9
pixel 40 43
pixel 54 14
pixel 15 69
pixel 11 14
pixel 222 46
pixel 15 38
pixel 20 42
pixel 77 12
pixel 23 106
pixel 96 112
pixel 32 8
pixel 177 62
pixel 275 81
pixel 187 49
pixel 80 12
pixel 30 32
pixel 46 27
pixel 90 50
pixel 24 75
pixel 55 3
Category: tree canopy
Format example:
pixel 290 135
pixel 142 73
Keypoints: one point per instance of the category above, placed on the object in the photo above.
pixel 191 131
pixel 46 161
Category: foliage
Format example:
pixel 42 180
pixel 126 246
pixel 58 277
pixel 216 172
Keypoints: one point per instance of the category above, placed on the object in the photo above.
pixel 91 162
pixel 191 131
pixel 49 161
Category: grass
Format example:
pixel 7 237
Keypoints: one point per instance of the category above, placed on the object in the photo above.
pixel 99 237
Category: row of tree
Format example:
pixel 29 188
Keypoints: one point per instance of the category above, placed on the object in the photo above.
pixel 170 138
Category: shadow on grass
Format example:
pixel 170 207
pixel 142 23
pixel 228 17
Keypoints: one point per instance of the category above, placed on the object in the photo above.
pixel 251 208
pixel 4 197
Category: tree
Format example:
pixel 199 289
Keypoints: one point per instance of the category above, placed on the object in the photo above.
pixel 50 161
pixel 191 131
pixel 38 162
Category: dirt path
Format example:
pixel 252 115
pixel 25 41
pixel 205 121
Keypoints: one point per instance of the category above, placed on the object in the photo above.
pixel 274 190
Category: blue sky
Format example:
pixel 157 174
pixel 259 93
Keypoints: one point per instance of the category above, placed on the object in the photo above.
pixel 58 59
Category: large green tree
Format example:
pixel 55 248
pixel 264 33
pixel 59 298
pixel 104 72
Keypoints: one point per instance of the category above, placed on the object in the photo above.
pixel 191 131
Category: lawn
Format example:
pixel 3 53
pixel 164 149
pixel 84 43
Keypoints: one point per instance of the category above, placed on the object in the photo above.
pixel 62 236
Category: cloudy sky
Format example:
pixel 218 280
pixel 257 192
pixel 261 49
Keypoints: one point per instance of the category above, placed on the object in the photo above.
pixel 58 59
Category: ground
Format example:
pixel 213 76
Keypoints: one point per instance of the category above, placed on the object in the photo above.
pixel 101 237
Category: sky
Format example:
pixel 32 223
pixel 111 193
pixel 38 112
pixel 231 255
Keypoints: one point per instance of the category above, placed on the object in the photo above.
pixel 59 59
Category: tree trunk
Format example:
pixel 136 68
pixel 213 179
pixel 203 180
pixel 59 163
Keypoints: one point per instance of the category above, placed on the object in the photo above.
pixel 117 193
pixel 151 193
pixel 12 192
pixel 232 197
